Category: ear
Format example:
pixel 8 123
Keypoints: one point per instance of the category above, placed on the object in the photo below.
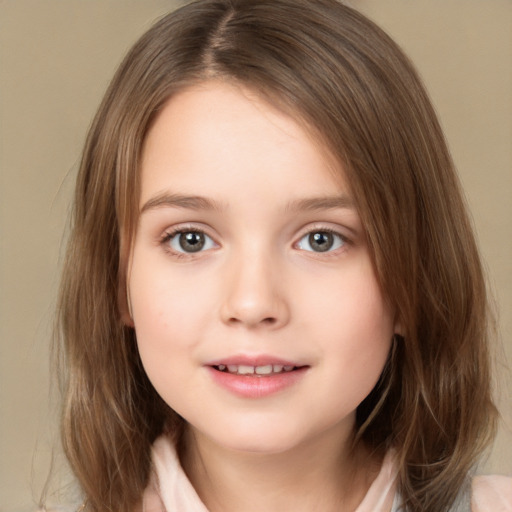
pixel 398 327
pixel 125 312
pixel 124 305
pixel 127 320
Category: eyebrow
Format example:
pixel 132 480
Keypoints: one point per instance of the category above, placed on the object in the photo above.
pixel 321 203
pixel 202 203
pixel 180 201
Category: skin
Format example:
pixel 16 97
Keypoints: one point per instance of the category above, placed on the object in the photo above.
pixel 258 286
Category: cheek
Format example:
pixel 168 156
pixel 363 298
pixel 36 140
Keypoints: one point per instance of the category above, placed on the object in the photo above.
pixel 164 331
pixel 170 308
pixel 354 324
pixel 350 303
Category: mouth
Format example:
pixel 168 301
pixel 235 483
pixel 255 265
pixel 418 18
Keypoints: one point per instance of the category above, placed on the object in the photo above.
pixel 256 377
pixel 267 370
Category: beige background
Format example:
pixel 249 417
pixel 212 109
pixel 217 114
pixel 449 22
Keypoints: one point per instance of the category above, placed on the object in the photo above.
pixel 56 59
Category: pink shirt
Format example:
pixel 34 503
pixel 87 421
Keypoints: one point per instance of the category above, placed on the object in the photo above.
pixel 171 491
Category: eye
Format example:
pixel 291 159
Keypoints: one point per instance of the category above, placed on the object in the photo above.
pixel 321 241
pixel 189 241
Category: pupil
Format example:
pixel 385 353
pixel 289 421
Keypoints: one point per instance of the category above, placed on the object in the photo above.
pixel 191 242
pixel 321 241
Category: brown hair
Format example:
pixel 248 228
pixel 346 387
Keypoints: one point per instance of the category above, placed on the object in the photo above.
pixel 335 70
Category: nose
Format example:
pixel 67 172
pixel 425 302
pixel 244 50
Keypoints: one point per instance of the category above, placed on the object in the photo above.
pixel 254 294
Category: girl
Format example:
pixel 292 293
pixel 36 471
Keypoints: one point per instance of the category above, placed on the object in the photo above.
pixel 272 297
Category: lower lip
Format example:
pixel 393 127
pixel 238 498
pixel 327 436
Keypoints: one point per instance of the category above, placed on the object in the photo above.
pixel 252 386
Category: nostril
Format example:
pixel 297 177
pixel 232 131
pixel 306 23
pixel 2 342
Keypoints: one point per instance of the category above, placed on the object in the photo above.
pixel 270 320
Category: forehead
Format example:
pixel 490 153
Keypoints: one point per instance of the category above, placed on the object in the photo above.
pixel 217 130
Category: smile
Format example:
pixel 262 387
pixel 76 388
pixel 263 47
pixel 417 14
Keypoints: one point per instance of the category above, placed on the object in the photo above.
pixel 256 377
pixel 259 371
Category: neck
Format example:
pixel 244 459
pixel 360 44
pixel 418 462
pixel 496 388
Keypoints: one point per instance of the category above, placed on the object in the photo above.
pixel 318 475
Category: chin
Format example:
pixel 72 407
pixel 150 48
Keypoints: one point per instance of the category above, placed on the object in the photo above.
pixel 259 443
pixel 265 435
pixel 251 434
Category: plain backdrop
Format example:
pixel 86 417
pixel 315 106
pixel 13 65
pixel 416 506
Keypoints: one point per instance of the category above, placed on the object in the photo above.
pixel 57 57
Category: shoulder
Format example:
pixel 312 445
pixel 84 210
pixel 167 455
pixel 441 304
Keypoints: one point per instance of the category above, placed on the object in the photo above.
pixel 62 508
pixel 151 498
pixel 491 493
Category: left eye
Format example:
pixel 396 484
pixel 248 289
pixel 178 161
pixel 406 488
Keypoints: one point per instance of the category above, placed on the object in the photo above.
pixel 321 241
pixel 190 242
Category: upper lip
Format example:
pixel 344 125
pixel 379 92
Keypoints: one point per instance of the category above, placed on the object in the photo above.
pixel 254 360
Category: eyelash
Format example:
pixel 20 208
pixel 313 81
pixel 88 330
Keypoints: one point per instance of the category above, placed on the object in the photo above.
pixel 320 229
pixel 171 234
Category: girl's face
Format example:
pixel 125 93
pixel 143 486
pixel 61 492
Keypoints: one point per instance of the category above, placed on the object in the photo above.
pixel 258 315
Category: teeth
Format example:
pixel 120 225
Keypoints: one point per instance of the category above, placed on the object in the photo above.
pixel 243 369
pixel 263 370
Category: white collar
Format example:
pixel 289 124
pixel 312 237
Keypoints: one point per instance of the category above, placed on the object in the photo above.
pixel 172 489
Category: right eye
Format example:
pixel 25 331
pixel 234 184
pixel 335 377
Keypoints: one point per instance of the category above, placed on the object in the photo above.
pixel 188 241
pixel 321 240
